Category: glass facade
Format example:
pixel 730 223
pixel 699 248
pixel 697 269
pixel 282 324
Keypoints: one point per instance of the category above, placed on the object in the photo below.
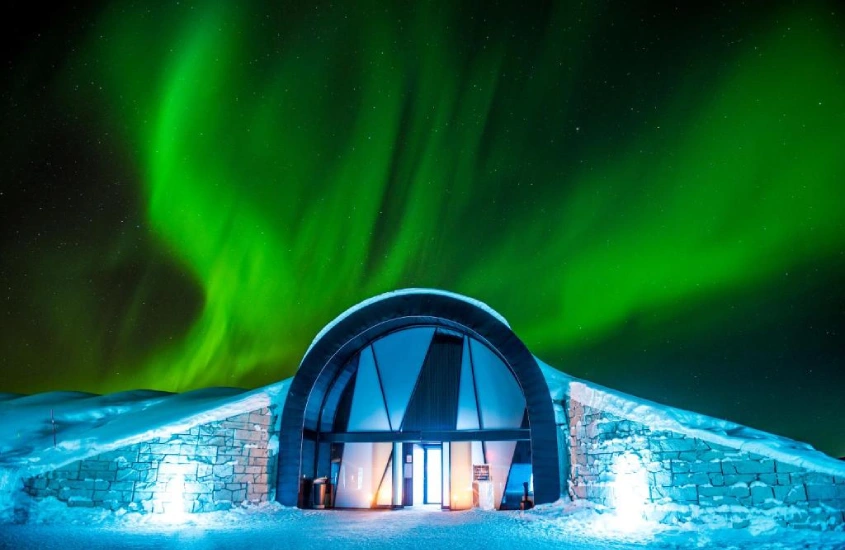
pixel 415 411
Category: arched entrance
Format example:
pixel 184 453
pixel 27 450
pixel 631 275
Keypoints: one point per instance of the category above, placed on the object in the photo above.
pixel 404 393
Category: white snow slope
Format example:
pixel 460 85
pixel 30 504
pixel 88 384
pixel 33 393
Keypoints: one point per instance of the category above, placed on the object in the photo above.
pixel 706 428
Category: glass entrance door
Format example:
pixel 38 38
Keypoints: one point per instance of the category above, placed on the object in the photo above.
pixel 433 475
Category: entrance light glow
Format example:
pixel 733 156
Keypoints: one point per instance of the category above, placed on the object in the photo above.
pixel 172 500
pixel 629 491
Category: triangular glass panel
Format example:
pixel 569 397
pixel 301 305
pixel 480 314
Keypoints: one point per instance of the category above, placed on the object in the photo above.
pixel 499 457
pixel 368 412
pixel 467 406
pixel 500 398
pixel 400 357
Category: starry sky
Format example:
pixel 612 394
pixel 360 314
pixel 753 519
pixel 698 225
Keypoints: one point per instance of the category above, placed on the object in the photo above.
pixel 653 194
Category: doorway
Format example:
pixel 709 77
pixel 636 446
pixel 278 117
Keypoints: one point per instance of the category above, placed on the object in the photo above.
pixel 428 474
pixel 433 475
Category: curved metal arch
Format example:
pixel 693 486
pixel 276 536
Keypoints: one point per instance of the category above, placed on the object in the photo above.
pixel 361 327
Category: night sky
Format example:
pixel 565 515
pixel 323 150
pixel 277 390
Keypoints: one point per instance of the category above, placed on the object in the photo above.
pixel 652 194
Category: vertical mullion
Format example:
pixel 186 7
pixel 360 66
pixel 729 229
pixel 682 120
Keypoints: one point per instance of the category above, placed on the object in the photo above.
pixel 425 475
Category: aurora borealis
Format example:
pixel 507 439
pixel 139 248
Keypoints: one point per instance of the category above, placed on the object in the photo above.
pixel 653 194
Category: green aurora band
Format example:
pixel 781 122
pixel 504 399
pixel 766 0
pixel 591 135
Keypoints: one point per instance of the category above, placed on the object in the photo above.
pixel 297 162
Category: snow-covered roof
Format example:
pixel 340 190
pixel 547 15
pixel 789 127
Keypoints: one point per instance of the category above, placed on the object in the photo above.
pixel 713 430
pixel 88 424
pixel 403 292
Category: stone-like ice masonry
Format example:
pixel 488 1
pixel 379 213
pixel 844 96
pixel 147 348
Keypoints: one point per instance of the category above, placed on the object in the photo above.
pixel 212 466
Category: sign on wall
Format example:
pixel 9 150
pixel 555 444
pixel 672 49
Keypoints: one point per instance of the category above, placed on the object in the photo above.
pixel 481 472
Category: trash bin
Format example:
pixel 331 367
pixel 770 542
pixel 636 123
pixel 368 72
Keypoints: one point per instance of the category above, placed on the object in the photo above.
pixel 305 495
pixel 319 488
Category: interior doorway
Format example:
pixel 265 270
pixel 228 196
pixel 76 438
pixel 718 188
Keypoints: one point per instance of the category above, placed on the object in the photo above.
pixel 433 475
pixel 428 474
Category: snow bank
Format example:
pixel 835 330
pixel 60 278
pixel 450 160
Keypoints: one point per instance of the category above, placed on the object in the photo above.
pixel 86 424
pixel 705 428
pixel 749 528
pixel 562 526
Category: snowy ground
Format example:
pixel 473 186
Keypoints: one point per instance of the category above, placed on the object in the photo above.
pixel 272 526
